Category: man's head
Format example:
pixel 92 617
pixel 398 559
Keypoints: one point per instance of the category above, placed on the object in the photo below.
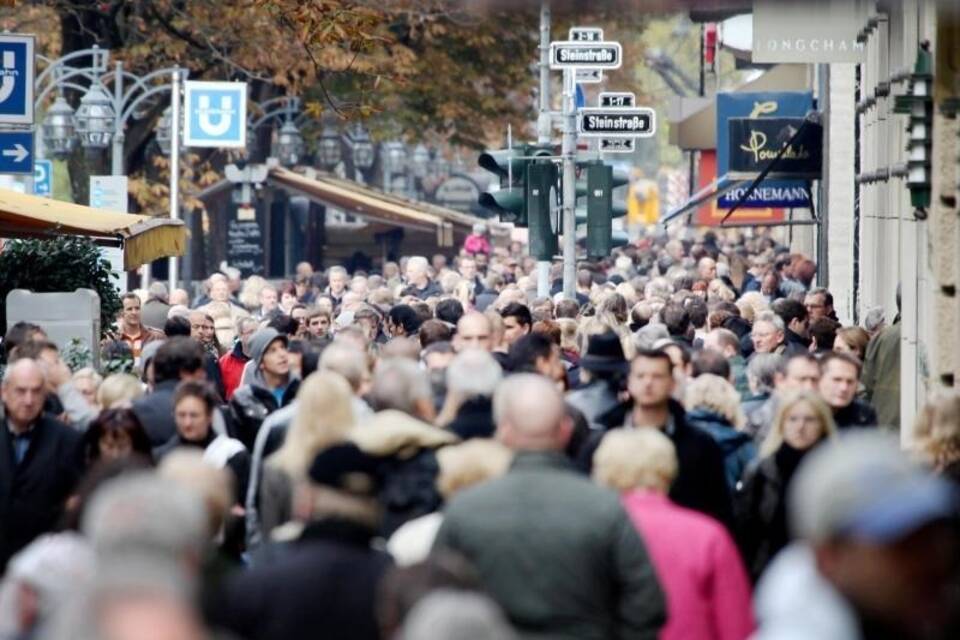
pixel 468 268
pixel 819 303
pixel 793 314
pixel 400 384
pixel 800 373
pixel 530 415
pixel 767 333
pixel 651 381
pixel 449 310
pixel 403 320
pixel 158 291
pixel 707 268
pixel 839 380
pixel 220 290
pixel 677 320
pixel 474 331
pixel 130 314
pixel 201 327
pixel 516 322
pixel 724 341
pixel 417 271
pixel 269 299
pixel 246 327
pixel 178 358
pixel 337 280
pixel 536 353
pixel 23 392
pixel 882 531
pixel 318 323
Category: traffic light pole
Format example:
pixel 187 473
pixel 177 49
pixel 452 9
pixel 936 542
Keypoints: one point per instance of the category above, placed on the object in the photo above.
pixel 569 151
pixel 544 124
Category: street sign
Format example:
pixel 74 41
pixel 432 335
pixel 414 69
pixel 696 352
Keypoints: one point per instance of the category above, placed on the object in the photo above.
pixel 618 145
pixel 43 178
pixel 16 152
pixel 617 99
pixel 109 192
pixel 597 55
pixel 586 34
pixel 589 76
pixel 216 114
pixel 605 122
pixel 17 69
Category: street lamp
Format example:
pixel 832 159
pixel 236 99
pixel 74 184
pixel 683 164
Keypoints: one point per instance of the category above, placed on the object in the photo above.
pixel 329 148
pixel 59 128
pixel 363 152
pixel 420 161
pixel 164 131
pixel 95 119
pixel 289 144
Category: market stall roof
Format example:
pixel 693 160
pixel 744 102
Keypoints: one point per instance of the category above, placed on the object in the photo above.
pixel 144 238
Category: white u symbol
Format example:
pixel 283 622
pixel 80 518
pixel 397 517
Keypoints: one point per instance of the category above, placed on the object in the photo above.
pixel 9 81
pixel 225 115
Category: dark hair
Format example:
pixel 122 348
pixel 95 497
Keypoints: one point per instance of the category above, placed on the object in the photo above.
pixel 403 315
pixel 449 310
pixel 197 389
pixel 31 349
pixel 113 421
pixel 710 361
pixel 789 310
pixel 438 347
pixel 423 310
pixel 518 311
pixel 525 352
pixel 830 356
pixel 175 355
pixel 176 326
pixel 130 295
pixel 549 328
pixel 676 318
pixel 827 296
pixel 433 331
pixel 286 287
pixel 683 283
pixel 806 356
pixel 17 334
pixel 697 310
pixel 310 362
pixel 824 331
pixel 566 309
pixel 284 324
pixel 654 354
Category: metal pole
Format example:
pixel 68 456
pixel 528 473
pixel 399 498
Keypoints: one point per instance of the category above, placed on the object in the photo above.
pixel 544 125
pixel 568 151
pixel 174 165
pixel 116 153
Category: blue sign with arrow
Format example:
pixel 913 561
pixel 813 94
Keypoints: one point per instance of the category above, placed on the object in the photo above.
pixel 43 178
pixel 16 78
pixel 16 152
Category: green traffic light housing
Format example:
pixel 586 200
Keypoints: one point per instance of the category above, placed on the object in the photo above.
pixel 509 165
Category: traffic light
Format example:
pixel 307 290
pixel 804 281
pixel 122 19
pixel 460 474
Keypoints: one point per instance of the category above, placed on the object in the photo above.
pixel 509 201
pixel 541 201
pixel 600 209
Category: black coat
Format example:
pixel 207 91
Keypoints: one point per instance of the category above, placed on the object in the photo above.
pixel 322 586
pixel 858 414
pixel 701 482
pixel 474 419
pixel 155 411
pixel 249 407
pixel 32 493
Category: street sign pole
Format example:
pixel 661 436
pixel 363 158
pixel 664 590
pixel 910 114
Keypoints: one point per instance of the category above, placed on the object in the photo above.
pixel 544 124
pixel 174 166
pixel 569 151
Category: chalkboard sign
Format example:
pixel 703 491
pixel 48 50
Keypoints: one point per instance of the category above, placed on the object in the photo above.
pixel 245 247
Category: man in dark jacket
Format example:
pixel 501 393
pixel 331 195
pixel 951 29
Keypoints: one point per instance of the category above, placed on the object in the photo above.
pixel 419 283
pixel 179 358
pixel 273 385
pixel 839 381
pixel 701 480
pixel 41 460
pixel 536 535
pixel 796 323
pixel 325 581
pixel 604 369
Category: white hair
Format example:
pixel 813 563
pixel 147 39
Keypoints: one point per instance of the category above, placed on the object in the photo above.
pixel 417 262
pixel 399 383
pixel 473 373
pixel 770 318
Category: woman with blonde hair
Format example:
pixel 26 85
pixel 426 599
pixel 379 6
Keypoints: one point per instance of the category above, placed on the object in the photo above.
pixel 802 423
pixel 852 340
pixel 713 405
pixel 700 570
pixel 324 417
pixel 118 391
pixel 937 433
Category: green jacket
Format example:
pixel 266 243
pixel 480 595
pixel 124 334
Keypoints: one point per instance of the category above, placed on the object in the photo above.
pixel 738 371
pixel 557 552
pixel 881 376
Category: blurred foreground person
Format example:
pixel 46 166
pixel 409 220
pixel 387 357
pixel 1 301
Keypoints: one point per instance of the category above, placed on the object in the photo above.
pixel 706 586
pixel 543 570
pixel 878 551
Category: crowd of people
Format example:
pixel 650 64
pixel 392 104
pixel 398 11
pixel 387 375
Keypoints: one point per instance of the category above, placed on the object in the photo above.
pixel 694 447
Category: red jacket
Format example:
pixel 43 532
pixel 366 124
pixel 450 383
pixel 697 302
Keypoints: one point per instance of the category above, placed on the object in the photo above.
pixel 231 370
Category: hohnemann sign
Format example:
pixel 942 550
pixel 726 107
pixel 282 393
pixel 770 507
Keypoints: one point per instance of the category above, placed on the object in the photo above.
pixel 756 142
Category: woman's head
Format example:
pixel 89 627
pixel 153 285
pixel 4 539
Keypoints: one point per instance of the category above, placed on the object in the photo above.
pixel 119 390
pixel 937 428
pixel 193 405
pixel 852 340
pixel 802 421
pixel 324 417
pixel 637 459
pixel 87 381
pixel 116 434
pixel 470 463
pixel 713 393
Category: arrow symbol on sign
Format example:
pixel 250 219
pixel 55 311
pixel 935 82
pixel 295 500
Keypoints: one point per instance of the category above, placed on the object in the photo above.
pixel 19 153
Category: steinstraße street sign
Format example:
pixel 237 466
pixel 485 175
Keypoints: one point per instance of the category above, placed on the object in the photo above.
pixel 596 55
pixel 43 178
pixel 216 114
pixel 616 122
pixel 16 78
pixel 16 152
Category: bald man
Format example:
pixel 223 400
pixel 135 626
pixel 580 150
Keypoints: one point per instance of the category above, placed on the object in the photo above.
pixel 474 331
pixel 535 535
pixel 41 460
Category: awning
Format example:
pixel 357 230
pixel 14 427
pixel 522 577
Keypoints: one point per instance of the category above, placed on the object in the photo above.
pixel 375 205
pixel 144 238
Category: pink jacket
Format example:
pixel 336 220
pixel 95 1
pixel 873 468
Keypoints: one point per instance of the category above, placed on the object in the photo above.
pixel 700 570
